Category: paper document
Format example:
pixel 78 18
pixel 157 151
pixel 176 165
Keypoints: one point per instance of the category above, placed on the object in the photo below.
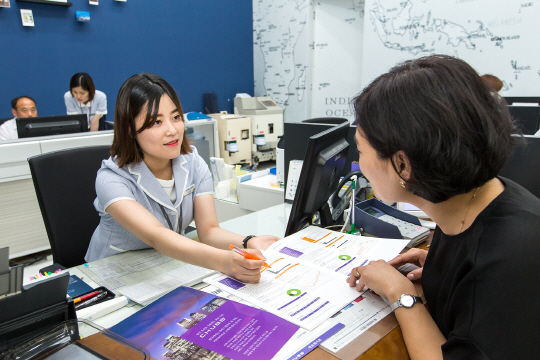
pixel 147 291
pixel 137 261
pixel 146 267
pixel 357 317
pixel 306 283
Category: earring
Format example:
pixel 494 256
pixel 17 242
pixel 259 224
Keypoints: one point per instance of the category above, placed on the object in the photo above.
pixel 402 184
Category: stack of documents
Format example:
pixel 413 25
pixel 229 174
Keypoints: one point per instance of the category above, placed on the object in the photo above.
pixel 143 275
pixel 147 291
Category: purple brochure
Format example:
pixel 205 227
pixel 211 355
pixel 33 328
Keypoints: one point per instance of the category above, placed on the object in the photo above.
pixel 188 323
pixel 241 332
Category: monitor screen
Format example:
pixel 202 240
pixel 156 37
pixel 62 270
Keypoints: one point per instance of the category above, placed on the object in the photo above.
pixel 324 162
pixel 527 118
pixel 51 125
pixel 411 209
pixel 523 166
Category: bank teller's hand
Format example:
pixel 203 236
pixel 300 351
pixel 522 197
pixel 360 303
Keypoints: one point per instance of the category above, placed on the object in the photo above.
pixel 413 256
pixel 262 242
pixel 382 278
pixel 243 269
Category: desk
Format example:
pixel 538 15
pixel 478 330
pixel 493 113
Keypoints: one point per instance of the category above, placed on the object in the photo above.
pixel 272 221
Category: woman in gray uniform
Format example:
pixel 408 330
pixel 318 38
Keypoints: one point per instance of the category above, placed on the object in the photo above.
pixel 155 184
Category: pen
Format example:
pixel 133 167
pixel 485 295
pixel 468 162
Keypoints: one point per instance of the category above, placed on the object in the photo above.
pixel 91 301
pixel 246 254
pixel 84 297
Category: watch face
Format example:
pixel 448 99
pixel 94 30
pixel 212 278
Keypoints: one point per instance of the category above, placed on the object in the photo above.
pixel 407 300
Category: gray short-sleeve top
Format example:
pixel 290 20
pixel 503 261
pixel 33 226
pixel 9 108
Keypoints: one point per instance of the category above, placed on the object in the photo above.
pixel 136 182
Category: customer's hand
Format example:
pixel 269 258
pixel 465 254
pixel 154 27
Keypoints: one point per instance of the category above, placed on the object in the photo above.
pixel 413 256
pixel 243 269
pixel 382 278
pixel 261 242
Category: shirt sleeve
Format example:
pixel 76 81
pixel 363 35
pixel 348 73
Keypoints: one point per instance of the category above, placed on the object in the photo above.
pixel 203 179
pixel 462 348
pixel 110 188
pixel 71 107
pixel 7 132
pixel 101 103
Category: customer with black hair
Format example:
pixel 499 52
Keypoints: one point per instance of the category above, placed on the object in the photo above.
pixel 430 133
pixel 155 184
pixel 83 98
pixel 21 107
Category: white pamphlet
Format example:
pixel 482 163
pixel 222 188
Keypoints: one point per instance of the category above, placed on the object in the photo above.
pixel 306 283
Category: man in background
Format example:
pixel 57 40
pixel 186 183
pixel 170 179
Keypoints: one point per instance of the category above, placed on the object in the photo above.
pixel 21 107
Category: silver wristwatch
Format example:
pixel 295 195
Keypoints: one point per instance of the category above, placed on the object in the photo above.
pixel 406 301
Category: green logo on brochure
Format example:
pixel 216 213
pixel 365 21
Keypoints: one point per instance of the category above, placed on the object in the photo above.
pixel 344 257
pixel 293 292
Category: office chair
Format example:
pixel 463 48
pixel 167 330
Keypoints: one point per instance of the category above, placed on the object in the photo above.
pixel 102 125
pixel 65 188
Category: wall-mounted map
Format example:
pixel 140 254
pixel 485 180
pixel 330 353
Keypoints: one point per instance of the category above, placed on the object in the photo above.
pixel 313 56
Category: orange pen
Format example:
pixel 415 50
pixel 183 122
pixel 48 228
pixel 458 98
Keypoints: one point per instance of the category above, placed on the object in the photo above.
pixel 246 254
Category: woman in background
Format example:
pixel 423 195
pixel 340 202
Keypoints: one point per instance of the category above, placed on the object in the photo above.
pixel 430 133
pixel 83 98
pixel 493 82
pixel 155 184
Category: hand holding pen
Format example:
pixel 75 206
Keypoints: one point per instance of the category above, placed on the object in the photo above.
pixel 246 267
pixel 246 254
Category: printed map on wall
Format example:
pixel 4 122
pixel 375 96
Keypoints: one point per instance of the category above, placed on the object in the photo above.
pixel 337 56
pixel 494 36
pixel 282 54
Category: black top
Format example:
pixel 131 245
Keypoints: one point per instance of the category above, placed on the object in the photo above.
pixel 483 286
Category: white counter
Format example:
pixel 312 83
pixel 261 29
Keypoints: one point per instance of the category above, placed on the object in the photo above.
pixel 21 223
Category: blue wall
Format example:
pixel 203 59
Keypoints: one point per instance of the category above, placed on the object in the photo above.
pixel 198 46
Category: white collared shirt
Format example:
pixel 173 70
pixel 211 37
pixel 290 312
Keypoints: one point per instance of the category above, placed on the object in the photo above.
pixel 96 106
pixel 8 130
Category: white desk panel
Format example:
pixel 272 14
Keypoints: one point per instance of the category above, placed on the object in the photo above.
pixel 87 139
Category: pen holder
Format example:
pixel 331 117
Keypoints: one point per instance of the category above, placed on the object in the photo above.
pixel 110 295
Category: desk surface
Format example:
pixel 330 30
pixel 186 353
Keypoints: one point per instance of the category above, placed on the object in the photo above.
pixel 270 221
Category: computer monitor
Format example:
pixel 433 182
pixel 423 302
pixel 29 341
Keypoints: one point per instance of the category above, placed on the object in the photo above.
pixel 524 166
pixel 51 125
pixel 522 99
pixel 324 162
pixel 527 118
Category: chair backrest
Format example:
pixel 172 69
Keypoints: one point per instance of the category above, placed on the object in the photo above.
pixel 102 125
pixel 65 188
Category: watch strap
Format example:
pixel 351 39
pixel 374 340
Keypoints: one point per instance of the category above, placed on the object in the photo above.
pixel 245 241
pixel 397 304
